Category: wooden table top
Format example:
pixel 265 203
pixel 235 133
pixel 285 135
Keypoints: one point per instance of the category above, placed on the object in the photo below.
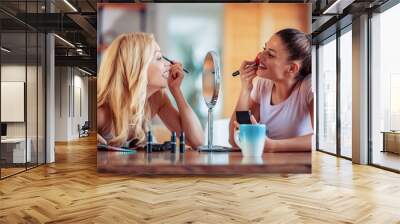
pixel 201 163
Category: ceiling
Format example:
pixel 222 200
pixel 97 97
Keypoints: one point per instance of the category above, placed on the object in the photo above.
pixel 73 20
pixel 332 15
pixel 76 22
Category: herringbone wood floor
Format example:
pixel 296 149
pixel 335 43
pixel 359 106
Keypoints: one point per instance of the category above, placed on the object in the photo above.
pixel 71 191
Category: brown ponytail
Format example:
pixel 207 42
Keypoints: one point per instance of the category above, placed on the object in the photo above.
pixel 299 47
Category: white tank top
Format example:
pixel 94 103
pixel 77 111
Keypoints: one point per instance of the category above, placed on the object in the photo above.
pixel 290 118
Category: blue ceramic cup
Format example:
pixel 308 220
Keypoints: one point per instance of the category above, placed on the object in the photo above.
pixel 250 138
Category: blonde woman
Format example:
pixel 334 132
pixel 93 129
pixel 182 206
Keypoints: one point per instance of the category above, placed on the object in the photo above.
pixel 131 90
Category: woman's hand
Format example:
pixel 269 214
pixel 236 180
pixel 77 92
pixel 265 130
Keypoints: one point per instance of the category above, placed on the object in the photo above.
pixel 252 119
pixel 268 147
pixel 247 74
pixel 175 77
pixel 101 140
pixel 183 119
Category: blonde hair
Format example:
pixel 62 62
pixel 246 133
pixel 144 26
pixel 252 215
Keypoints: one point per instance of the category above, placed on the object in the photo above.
pixel 122 84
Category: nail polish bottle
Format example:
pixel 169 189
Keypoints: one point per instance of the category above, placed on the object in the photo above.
pixel 173 142
pixel 182 146
pixel 149 148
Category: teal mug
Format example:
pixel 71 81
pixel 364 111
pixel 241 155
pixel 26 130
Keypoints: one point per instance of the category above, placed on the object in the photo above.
pixel 251 138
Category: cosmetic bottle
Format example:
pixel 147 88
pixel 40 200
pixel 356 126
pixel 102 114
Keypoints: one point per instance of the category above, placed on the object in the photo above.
pixel 182 146
pixel 173 142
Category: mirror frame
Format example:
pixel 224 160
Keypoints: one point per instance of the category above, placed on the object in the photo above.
pixel 217 78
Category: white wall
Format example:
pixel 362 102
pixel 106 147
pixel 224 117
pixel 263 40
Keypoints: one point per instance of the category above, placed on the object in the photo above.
pixel 33 127
pixel 70 83
pixel 80 83
pixel 61 103
pixel 12 73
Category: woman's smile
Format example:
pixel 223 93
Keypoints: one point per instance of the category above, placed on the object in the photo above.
pixel 261 66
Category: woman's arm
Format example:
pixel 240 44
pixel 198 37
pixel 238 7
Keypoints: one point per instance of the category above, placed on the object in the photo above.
pixel 244 103
pixel 100 125
pixel 184 118
pixel 296 144
pixel 101 140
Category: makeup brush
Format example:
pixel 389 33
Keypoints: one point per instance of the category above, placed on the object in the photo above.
pixel 174 63
pixel 256 63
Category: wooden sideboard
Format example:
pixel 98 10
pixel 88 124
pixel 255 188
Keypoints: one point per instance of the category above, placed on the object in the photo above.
pixel 391 141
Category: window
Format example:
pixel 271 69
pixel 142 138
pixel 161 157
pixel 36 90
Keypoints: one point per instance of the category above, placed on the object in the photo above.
pixel 22 77
pixel 385 89
pixel 326 96
pixel 346 93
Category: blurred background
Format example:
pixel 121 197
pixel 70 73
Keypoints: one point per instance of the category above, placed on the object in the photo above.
pixel 186 32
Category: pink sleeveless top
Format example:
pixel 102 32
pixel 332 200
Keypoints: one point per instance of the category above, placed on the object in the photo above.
pixel 290 118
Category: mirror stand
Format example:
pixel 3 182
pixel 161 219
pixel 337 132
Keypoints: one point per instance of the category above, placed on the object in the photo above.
pixel 210 147
pixel 210 128
pixel 211 84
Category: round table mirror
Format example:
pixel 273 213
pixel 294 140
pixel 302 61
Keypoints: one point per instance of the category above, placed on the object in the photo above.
pixel 211 83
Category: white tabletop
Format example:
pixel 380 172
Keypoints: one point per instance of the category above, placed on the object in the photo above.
pixel 13 140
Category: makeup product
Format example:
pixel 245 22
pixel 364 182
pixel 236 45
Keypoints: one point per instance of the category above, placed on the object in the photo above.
pixel 256 63
pixel 243 117
pixel 170 61
pixel 103 147
pixel 173 142
pixel 182 146
pixel 149 147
